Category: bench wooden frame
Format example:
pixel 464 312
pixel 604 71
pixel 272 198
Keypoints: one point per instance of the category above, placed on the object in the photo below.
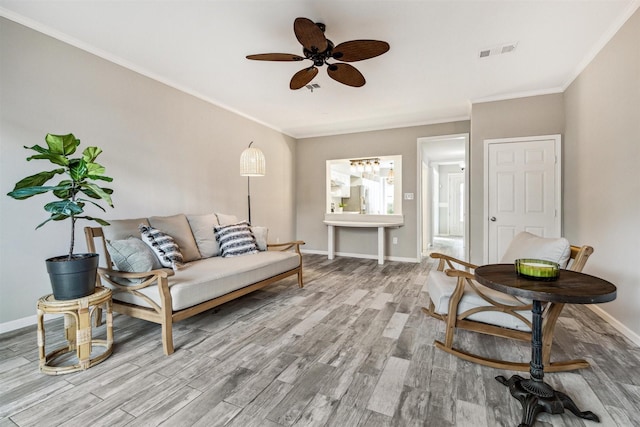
pixel 163 314
pixel 465 279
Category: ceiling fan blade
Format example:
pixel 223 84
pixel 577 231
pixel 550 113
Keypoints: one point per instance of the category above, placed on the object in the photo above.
pixel 302 78
pixel 358 50
pixel 309 35
pixel 346 74
pixel 275 57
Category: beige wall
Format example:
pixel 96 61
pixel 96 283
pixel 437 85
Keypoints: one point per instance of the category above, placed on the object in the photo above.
pixel 311 157
pixel 602 203
pixel 531 116
pixel 167 151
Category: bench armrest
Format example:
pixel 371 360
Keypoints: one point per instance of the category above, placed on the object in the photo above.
pixel 285 246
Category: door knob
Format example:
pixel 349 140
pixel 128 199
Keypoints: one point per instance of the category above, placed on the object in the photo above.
pixel 493 219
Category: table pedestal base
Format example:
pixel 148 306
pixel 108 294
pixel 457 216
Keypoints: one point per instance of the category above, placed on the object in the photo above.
pixel 538 396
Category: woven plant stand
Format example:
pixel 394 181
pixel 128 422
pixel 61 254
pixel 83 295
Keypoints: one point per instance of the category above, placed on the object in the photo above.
pixel 78 331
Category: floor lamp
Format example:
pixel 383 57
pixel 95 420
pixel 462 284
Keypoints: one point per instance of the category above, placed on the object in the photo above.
pixel 252 163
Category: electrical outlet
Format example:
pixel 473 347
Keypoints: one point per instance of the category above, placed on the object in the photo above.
pixel 395 240
pixel 408 196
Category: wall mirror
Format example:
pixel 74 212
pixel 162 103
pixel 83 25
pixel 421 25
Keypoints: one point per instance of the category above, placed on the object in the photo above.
pixel 368 185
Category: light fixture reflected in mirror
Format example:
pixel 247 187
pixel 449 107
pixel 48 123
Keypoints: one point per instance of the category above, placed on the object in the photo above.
pixel 360 186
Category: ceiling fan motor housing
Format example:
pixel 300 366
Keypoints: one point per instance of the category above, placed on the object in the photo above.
pixel 320 58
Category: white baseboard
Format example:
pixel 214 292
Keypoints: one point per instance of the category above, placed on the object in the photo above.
pixel 362 256
pixel 18 324
pixel 632 336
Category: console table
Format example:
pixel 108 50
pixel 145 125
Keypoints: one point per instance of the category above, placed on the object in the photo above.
pixel 359 224
pixel 571 287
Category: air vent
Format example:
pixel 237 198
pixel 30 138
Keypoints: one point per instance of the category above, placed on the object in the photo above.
pixel 313 86
pixel 498 50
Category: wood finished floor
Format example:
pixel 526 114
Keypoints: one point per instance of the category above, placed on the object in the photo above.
pixel 350 349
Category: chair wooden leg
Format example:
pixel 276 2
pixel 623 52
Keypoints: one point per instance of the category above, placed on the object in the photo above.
pixel 548 328
pixel 452 314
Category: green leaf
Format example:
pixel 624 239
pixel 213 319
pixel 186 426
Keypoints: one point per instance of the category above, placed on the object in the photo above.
pixel 37 179
pixel 98 220
pixel 90 153
pixel 57 159
pixel 25 193
pixel 95 168
pixel 64 189
pixel 96 192
pixel 78 169
pixel 53 217
pixel 62 144
pixel 100 177
pixel 63 207
pixel 93 203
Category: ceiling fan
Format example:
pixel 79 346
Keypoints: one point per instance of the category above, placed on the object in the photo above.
pixel 320 50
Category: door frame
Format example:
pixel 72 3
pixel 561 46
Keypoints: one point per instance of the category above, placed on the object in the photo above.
pixel 558 187
pixel 457 176
pixel 419 197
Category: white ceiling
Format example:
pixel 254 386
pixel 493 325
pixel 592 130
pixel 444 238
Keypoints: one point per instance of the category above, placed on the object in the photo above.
pixel 432 72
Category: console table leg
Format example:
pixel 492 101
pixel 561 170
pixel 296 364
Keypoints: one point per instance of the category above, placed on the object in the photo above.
pixel 331 236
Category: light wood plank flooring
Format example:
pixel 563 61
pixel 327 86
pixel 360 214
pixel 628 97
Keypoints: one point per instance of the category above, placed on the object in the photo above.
pixel 350 349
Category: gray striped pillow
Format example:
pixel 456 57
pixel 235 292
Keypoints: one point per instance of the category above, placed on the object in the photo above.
pixel 235 240
pixel 165 248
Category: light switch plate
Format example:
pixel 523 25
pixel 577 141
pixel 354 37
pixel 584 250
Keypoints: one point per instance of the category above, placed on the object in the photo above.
pixel 408 196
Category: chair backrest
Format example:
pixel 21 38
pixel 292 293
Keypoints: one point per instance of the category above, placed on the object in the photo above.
pixel 92 233
pixel 579 256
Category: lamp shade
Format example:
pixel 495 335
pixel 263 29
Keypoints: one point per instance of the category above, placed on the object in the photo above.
pixel 252 162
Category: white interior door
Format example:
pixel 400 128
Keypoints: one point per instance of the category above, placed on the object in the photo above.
pixel 522 190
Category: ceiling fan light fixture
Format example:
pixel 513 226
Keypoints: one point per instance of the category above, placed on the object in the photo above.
pixel 318 49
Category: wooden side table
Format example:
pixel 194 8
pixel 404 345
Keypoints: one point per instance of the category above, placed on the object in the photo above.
pixel 571 287
pixel 78 330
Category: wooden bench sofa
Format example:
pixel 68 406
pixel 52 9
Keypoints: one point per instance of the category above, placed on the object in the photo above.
pixel 206 280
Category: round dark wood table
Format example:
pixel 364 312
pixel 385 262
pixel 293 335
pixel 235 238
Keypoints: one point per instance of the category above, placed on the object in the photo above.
pixel 571 287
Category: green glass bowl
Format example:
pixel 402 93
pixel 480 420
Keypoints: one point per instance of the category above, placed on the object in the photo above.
pixel 537 269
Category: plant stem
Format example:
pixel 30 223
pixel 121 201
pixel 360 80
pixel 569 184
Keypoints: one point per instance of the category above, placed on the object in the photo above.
pixel 73 239
pixel 74 191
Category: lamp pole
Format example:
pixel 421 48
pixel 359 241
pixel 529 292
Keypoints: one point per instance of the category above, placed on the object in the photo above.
pixel 252 163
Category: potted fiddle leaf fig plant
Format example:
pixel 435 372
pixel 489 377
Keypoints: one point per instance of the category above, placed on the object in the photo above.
pixel 72 275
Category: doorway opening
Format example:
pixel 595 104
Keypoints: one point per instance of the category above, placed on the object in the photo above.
pixel 443 192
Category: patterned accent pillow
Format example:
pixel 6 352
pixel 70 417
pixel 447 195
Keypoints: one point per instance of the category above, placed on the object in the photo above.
pixel 132 255
pixel 235 240
pixel 165 248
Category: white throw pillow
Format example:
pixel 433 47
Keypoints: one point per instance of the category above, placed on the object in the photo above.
pixel 261 235
pixel 163 246
pixel 236 240
pixel 527 245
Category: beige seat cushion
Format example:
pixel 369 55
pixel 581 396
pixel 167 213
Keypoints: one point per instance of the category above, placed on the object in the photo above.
pixel 441 287
pixel 524 245
pixel 209 278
